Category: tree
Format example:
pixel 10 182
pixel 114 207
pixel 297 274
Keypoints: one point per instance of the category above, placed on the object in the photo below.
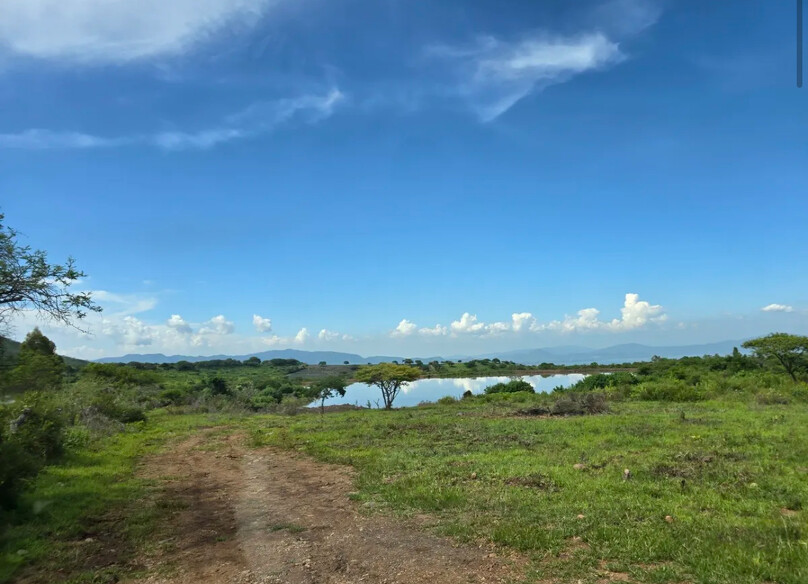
pixel 790 350
pixel 346 363
pixel 322 363
pixel 389 377
pixel 38 366
pixel 253 361
pixel 28 281
pixel 329 387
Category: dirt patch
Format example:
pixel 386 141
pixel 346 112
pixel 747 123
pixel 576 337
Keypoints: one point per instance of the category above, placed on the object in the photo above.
pixel 266 516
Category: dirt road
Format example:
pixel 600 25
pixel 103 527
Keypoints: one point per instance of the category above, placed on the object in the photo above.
pixel 265 516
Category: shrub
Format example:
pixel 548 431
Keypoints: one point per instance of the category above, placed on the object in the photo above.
pixel 580 404
pixel 674 390
pixel 119 375
pixel 31 436
pixel 172 396
pixel 447 400
pixel 107 405
pixel 513 386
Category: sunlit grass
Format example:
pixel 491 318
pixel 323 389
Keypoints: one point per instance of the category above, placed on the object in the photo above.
pixel 716 494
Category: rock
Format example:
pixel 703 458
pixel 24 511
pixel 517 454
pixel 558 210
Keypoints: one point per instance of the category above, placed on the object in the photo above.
pixel 22 552
pixel 473 476
pixel 626 474
pixel 580 516
pixel 668 518
pixel 579 466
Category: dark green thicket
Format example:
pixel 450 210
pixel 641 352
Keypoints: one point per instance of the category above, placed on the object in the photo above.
pixel 31 436
pixel 512 386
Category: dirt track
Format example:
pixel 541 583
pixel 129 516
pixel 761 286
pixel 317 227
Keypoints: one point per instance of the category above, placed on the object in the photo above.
pixel 263 516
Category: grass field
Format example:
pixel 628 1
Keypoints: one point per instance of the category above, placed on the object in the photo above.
pixel 717 490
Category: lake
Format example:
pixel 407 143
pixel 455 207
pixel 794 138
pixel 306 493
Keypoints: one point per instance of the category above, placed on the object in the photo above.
pixel 433 389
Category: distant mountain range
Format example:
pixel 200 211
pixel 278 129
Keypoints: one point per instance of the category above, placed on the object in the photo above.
pixel 565 355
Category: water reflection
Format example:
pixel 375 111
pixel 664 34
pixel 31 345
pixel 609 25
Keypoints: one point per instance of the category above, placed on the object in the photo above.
pixel 433 389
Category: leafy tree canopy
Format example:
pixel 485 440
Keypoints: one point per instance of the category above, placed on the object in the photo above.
pixel 389 377
pixel 328 387
pixel 29 282
pixel 791 351
pixel 38 366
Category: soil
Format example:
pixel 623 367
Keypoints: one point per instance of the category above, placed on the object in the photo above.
pixel 267 516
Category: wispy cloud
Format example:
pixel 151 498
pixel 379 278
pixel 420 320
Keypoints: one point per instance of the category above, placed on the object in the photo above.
pixel 39 139
pixel 493 74
pixel 118 31
pixel 259 118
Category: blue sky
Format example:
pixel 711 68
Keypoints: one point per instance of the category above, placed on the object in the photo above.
pixel 240 175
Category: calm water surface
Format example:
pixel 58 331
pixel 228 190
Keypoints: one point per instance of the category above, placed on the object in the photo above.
pixel 434 389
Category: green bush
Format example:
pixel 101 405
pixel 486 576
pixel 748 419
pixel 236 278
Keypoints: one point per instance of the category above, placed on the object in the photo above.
pixel 120 375
pixel 107 405
pixel 172 397
pixel 31 436
pixel 580 404
pixel 668 390
pixel 512 386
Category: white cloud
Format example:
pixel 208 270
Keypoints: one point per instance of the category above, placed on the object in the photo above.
pixel 179 324
pixel 274 340
pixel 302 336
pixel 523 321
pixel 128 331
pixel 636 313
pixel 778 308
pixel 262 325
pixel 436 331
pixel 404 328
pixel 253 121
pixel 586 320
pixel 218 325
pixel 496 328
pixel 117 31
pixel 467 324
pixel 327 335
pixel 492 74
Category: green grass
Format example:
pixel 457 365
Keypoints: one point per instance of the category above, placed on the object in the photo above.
pixel 733 477
pixel 75 512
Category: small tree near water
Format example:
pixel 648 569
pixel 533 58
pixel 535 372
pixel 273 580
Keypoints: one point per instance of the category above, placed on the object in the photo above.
pixel 329 387
pixel 389 377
